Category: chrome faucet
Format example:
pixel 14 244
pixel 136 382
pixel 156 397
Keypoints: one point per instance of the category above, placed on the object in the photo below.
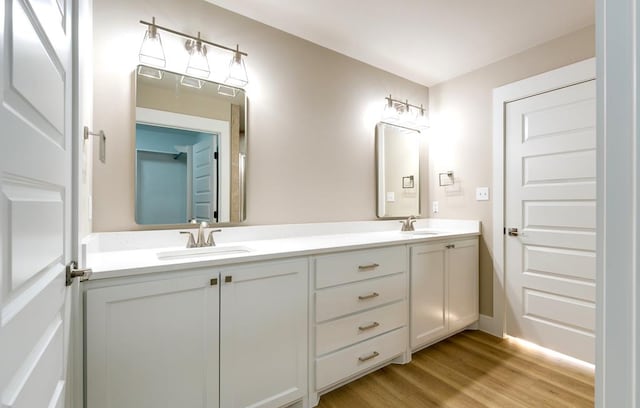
pixel 407 225
pixel 201 242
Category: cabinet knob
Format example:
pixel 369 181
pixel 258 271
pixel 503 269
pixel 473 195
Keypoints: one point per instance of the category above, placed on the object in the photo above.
pixel 228 279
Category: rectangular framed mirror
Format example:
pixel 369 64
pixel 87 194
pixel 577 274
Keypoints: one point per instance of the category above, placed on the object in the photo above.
pixel 190 153
pixel 398 171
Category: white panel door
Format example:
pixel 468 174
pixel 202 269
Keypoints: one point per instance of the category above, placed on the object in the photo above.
pixel 550 186
pixel 35 200
pixel 204 180
pixel 263 335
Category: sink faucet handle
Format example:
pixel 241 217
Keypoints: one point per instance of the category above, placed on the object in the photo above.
pixel 191 243
pixel 407 225
pixel 210 240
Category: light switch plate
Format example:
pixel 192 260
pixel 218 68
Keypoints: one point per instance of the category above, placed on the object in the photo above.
pixel 482 194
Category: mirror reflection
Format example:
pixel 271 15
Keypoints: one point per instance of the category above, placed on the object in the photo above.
pixel 398 170
pixel 190 149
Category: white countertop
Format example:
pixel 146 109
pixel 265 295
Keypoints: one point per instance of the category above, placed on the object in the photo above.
pixel 121 254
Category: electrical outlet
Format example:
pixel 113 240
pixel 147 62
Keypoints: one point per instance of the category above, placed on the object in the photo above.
pixel 482 194
pixel 435 207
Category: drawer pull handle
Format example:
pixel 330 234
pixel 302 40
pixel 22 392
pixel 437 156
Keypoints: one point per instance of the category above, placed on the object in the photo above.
pixel 369 326
pixel 370 296
pixel 450 246
pixel 368 267
pixel 369 357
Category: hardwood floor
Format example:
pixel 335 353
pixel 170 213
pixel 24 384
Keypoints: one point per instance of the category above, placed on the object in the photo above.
pixel 471 369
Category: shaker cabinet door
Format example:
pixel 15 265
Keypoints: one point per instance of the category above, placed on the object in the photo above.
pixel 263 343
pixel 153 344
pixel 428 294
pixel 463 284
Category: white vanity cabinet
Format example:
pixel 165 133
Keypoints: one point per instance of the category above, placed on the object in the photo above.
pixel 444 289
pixel 226 337
pixel 359 312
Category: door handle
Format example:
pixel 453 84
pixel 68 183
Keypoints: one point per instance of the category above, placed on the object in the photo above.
pixel 72 272
pixel 513 232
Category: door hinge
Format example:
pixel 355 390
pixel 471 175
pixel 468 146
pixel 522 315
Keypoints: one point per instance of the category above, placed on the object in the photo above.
pixel 74 272
pixel 215 155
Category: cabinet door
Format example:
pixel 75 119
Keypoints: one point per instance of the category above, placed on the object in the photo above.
pixel 463 283
pixel 153 344
pixel 428 293
pixel 263 343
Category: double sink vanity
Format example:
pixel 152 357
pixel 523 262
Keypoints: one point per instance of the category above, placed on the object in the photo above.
pixel 272 316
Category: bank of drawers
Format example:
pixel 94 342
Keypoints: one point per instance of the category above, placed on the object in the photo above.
pixel 361 311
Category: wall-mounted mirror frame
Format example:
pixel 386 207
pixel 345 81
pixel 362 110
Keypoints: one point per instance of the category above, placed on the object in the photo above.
pixel 192 130
pixel 397 170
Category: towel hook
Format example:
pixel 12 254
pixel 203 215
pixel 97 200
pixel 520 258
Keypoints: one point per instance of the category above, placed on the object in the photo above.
pixel 103 142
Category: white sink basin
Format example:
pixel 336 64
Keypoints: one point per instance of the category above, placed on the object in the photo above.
pixel 203 252
pixel 423 233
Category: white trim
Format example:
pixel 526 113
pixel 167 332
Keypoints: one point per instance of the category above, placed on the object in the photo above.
pixel 200 124
pixel 618 210
pixel 548 81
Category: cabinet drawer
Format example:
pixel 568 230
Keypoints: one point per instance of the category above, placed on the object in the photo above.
pixel 344 363
pixel 348 330
pixel 348 267
pixel 343 300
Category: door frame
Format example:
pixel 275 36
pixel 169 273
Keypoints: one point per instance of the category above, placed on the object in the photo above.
pixel 559 78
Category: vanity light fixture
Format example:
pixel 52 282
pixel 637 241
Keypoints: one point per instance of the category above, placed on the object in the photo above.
pixel 390 112
pixel 198 64
pixel 151 51
pixel 196 46
pixel 237 71
pixel 404 113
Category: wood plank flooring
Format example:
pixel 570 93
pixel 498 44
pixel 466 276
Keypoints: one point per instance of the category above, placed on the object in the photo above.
pixel 470 370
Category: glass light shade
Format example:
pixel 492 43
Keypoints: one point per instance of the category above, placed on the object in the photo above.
pixel 192 82
pixel 150 72
pixel 422 121
pixel 390 112
pixel 237 72
pixel 227 90
pixel 198 64
pixel 408 116
pixel 151 51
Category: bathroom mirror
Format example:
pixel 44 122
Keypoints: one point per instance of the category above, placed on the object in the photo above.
pixel 190 151
pixel 398 171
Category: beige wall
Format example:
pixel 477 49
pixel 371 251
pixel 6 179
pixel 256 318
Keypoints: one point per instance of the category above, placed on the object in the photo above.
pixel 461 135
pixel 312 115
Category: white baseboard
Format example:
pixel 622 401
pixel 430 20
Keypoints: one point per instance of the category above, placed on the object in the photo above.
pixel 491 325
